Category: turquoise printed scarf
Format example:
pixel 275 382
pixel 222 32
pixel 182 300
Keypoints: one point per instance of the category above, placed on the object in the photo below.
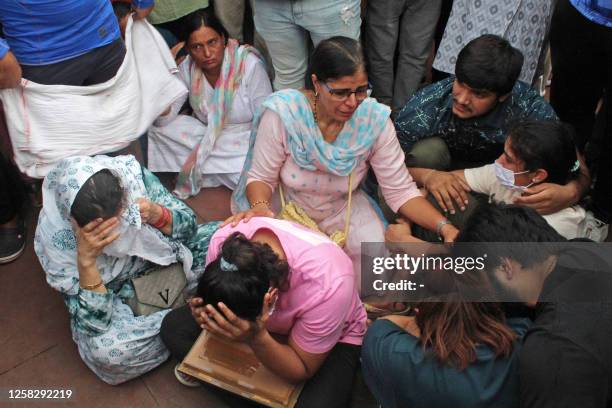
pixel 306 144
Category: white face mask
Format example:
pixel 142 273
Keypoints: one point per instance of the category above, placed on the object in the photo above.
pixel 506 177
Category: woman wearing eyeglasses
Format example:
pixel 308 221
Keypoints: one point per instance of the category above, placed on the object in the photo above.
pixel 310 142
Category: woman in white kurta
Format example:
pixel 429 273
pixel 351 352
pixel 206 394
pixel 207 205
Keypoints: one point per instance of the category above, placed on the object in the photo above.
pixel 227 83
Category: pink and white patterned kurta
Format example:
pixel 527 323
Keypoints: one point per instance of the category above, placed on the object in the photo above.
pixel 324 195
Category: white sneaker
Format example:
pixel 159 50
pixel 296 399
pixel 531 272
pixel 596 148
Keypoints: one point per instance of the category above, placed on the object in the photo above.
pixel 186 379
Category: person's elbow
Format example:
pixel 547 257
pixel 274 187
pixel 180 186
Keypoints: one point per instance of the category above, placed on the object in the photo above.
pixel 10 71
pixel 301 375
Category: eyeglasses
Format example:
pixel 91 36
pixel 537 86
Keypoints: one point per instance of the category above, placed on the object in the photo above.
pixel 343 94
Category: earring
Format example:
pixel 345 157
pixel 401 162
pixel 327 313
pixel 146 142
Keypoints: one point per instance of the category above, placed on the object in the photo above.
pixel 316 94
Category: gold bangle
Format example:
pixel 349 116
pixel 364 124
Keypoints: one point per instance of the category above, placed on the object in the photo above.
pixel 92 287
pixel 256 203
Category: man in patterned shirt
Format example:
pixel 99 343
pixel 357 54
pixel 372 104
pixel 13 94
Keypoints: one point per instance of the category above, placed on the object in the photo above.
pixel 463 121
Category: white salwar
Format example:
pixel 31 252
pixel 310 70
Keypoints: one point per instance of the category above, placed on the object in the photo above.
pixel 172 137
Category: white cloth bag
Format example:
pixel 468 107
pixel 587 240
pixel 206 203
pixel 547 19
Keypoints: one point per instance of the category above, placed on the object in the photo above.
pixel 47 123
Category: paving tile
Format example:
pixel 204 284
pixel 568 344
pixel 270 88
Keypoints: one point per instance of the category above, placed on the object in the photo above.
pixel 60 367
pixel 210 204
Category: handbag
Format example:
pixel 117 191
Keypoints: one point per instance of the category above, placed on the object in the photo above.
pixel 292 212
pixel 159 288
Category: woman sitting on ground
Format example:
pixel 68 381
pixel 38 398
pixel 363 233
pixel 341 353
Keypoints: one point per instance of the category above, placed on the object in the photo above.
pixel 535 152
pixel 104 221
pixel 452 353
pixel 271 277
pixel 227 83
pixel 318 143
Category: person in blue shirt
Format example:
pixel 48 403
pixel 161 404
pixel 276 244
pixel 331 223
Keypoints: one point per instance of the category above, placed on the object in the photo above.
pixel 581 54
pixel 451 354
pixel 57 42
pixel 69 42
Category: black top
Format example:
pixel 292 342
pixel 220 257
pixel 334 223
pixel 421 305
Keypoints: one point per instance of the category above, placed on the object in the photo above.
pixel 566 359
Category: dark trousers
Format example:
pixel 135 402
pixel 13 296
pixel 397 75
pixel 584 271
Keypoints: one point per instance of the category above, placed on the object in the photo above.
pixel 331 386
pixel 12 190
pixel 94 67
pixel 581 53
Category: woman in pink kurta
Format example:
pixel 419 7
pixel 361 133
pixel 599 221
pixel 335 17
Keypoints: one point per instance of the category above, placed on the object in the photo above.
pixel 312 140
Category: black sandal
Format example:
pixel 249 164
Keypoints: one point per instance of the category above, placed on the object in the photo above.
pixel 12 242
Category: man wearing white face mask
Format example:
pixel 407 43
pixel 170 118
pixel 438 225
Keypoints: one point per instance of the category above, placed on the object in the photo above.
pixel 535 152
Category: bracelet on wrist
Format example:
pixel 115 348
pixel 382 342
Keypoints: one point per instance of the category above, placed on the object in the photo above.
pixel 258 202
pixel 441 225
pixel 163 219
pixel 94 286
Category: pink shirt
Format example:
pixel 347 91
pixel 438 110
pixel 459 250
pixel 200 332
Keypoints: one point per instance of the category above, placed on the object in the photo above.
pixel 321 307
pixel 322 194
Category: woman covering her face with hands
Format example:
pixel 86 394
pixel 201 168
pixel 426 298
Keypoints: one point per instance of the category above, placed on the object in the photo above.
pixel 268 278
pixel 104 221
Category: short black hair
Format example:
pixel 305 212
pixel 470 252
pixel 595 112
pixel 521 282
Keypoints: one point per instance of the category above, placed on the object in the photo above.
pixel 490 63
pixel 101 196
pixel 202 18
pixel 334 58
pixel 242 290
pixel 493 226
pixel 548 145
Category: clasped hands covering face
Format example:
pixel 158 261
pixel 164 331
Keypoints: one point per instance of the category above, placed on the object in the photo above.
pixel 220 320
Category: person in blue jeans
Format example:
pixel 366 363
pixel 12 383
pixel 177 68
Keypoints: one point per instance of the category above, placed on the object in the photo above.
pixel 406 27
pixel 451 354
pixel 285 26
pixel 67 42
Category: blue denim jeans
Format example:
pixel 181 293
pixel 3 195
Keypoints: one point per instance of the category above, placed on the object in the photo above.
pixel 284 25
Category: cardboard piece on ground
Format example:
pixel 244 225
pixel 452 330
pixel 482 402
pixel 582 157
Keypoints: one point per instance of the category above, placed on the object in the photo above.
pixel 234 367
